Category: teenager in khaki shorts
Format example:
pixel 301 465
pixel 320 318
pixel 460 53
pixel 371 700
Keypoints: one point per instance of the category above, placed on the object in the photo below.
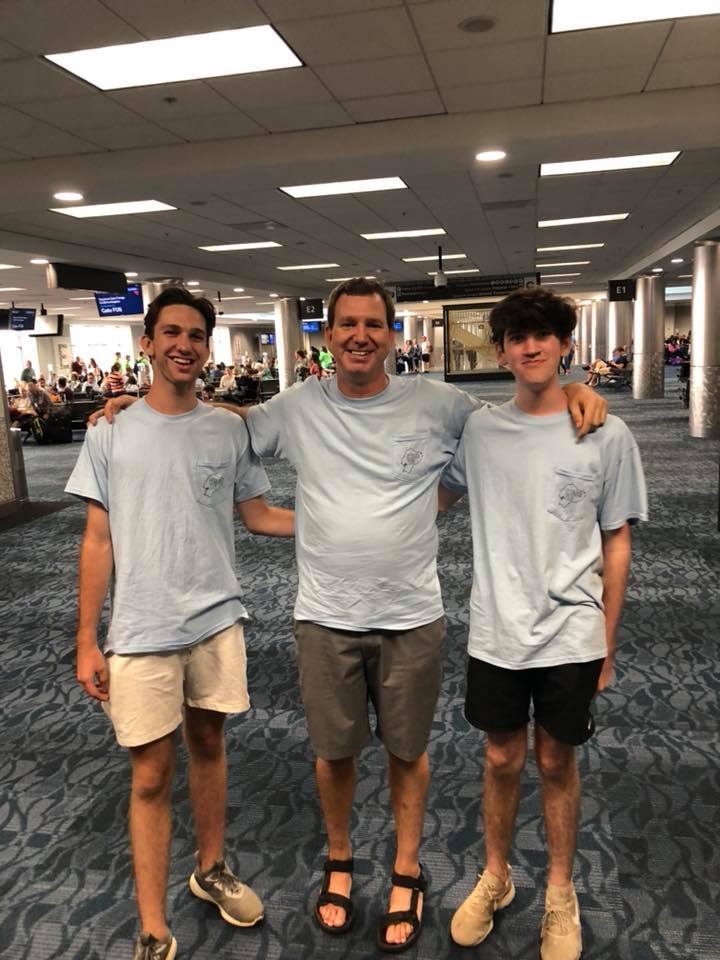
pixel 162 525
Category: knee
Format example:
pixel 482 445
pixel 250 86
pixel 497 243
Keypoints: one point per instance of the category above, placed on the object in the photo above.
pixel 556 766
pixel 205 745
pixel 505 759
pixel 152 784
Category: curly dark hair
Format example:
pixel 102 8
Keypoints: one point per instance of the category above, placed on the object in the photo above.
pixel 533 310
pixel 173 296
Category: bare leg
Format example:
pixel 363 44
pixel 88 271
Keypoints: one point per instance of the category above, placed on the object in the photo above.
pixel 153 765
pixel 561 800
pixel 409 781
pixel 205 738
pixel 505 756
pixel 336 786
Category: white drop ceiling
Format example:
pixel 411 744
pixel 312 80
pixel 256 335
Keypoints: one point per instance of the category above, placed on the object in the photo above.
pixel 388 88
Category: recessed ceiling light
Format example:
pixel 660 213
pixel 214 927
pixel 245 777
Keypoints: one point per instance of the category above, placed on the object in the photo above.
pixel 114 209
pixel 567 263
pixel 264 303
pixel 68 195
pixel 448 272
pixel 677 260
pixel 368 276
pixel 684 276
pixel 344 186
pixel 569 221
pixel 81 298
pixel 8 266
pixel 130 274
pixel 392 234
pixel 426 301
pixel 11 289
pixel 588 14
pixel 571 246
pixel 246 297
pixel 547 276
pixel 489 156
pixel 274 294
pixel 172 60
pixel 238 289
pixel 310 266
pixel 446 256
pixel 657 269
pixel 192 283
pixel 40 262
pixel 557 283
pixel 223 247
pixel 609 163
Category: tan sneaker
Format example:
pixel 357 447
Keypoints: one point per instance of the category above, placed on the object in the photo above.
pixel 560 937
pixel 473 919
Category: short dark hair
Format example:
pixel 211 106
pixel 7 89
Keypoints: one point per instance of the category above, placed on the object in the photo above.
pixel 62 382
pixel 178 296
pixel 533 310
pixel 361 287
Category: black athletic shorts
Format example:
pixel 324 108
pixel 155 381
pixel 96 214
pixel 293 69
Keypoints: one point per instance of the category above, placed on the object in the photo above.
pixel 498 700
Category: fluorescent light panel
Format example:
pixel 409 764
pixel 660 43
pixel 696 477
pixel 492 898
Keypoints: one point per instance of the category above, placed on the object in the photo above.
pixel 588 14
pixel 344 186
pixel 609 163
pixel 571 246
pixel 678 290
pixel 8 266
pixel 368 276
pixel 220 54
pixel 392 234
pixel 11 289
pixel 113 209
pixel 548 276
pixel 224 247
pixel 448 272
pixel 310 266
pixel 557 283
pixel 445 256
pixel 570 221
pixel 568 263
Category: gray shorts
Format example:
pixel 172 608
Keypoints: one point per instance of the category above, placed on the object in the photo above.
pixel 398 670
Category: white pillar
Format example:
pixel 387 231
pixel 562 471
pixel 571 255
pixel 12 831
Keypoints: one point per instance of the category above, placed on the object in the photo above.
pixel 705 350
pixel 648 330
pixel 288 338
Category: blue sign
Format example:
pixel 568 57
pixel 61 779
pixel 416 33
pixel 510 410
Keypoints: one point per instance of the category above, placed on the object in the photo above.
pixel 120 305
pixel 22 318
pixel 311 326
pixel 398 325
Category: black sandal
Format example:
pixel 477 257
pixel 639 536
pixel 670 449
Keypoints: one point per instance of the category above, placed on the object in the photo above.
pixel 418 885
pixel 337 899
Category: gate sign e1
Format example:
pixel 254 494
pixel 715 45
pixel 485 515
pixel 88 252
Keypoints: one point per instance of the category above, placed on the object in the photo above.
pixel 621 289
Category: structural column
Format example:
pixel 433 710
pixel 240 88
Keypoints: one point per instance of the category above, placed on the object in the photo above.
pixel 288 338
pixel 649 329
pixel 409 328
pixel 598 330
pixel 13 490
pixel 620 324
pixel 705 350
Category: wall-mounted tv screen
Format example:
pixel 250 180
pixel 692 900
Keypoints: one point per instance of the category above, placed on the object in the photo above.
pixel 49 326
pixel 311 326
pixel 398 325
pixel 22 318
pixel 121 305
pixel 267 339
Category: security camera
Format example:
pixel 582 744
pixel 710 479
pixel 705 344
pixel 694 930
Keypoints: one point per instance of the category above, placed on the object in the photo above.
pixel 440 279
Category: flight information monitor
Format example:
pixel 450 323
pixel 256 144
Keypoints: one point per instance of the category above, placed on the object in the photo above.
pixel 120 305
pixel 22 318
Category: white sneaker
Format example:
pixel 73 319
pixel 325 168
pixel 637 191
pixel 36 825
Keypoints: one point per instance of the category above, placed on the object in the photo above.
pixel 473 919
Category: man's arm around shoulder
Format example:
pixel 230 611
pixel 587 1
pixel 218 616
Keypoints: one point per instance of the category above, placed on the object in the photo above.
pixel 259 517
pixel 96 563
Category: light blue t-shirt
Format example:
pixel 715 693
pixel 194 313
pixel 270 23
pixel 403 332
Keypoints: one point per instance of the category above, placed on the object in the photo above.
pixel 538 501
pixel 169 484
pixel 366 496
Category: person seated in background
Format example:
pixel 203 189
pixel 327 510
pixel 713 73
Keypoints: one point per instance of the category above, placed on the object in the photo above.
pixel 28 374
pixel 64 392
pixel 598 368
pixel 208 394
pixel 114 382
pixel 19 406
pixel 302 367
pixel 90 388
pixel 619 359
pixel 131 385
pixel 39 401
pixel 227 381
pixel 74 383
pixel 77 367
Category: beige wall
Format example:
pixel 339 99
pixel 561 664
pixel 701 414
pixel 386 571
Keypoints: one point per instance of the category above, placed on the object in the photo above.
pixel 678 318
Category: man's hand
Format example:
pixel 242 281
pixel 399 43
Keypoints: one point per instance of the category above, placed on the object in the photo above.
pixel 92 671
pixel 587 408
pixel 607 674
pixel 112 406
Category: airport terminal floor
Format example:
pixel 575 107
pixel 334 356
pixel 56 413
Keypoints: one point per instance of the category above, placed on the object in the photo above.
pixel 648 867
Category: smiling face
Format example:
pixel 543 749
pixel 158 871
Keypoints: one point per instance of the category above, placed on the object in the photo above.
pixel 360 339
pixel 179 346
pixel 532 357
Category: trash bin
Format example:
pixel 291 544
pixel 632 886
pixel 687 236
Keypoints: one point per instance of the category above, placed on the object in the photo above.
pixel 18 464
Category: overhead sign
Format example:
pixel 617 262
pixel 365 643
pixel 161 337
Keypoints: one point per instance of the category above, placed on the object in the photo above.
pixel 464 288
pixel 621 290
pixel 311 309
pixel 129 303
pixel 22 318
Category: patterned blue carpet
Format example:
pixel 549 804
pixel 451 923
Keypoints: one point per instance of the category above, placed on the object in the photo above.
pixel 648 868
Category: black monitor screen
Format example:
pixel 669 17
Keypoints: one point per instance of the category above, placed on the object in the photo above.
pixel 120 305
pixel 22 318
pixel 311 326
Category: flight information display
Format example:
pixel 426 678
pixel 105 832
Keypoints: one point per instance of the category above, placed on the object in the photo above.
pixel 125 304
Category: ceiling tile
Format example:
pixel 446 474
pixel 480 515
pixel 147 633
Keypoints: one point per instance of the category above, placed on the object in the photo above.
pixel 390 108
pixel 79 113
pixel 335 39
pixel 292 10
pixel 225 126
pixel 504 61
pixel 302 117
pixel 586 50
pixel 54 144
pixel 693 39
pixel 685 73
pixel 493 96
pixel 7 156
pixel 125 136
pixel 279 88
pixel 437 22
pixel 375 78
pixel 57 26
pixel 14 124
pixel 590 84
pixel 192 99
pixel 156 20
pixel 27 80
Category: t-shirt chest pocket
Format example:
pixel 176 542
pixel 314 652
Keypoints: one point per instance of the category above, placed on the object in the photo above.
pixel 412 456
pixel 211 480
pixel 571 494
